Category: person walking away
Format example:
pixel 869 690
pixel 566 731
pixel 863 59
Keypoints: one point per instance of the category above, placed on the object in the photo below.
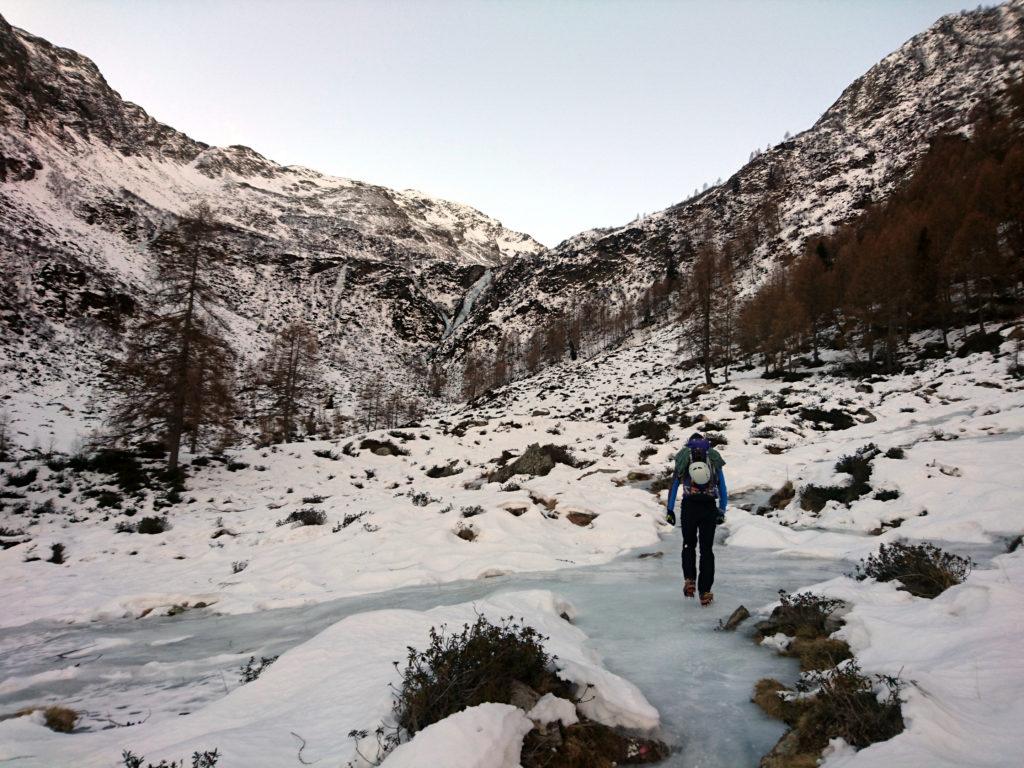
pixel 699 470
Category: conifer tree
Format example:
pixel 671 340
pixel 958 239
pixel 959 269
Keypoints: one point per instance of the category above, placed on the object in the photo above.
pixel 176 375
pixel 289 375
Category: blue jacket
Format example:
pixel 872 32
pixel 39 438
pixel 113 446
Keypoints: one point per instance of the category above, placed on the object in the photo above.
pixel 723 493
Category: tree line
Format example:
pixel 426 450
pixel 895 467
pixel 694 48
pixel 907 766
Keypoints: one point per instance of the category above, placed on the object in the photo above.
pixel 942 251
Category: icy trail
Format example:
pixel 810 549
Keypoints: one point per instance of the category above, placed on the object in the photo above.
pixel 700 680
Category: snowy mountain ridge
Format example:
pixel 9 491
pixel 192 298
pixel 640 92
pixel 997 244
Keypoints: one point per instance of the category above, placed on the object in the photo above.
pixel 394 280
pixel 861 149
pixel 87 180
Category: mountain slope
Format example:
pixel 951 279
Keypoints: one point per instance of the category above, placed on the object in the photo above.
pixel 862 147
pixel 87 180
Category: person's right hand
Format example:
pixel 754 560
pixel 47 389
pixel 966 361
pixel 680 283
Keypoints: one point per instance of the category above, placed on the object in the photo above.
pixel 670 517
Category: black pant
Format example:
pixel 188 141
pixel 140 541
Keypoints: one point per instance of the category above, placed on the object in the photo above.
pixel 698 521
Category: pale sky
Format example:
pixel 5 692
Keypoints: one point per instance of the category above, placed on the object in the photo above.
pixel 552 116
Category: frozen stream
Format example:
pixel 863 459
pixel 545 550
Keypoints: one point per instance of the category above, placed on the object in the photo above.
pixel 700 680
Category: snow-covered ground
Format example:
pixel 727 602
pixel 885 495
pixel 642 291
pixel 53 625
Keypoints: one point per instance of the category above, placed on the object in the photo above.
pixel 343 675
pixel 957 421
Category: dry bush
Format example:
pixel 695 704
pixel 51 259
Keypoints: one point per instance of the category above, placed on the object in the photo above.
pixel 923 570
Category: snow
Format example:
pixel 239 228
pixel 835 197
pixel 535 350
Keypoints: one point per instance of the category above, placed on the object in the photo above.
pixel 551 709
pixel 961 654
pixel 486 736
pixel 344 674
pixel 961 443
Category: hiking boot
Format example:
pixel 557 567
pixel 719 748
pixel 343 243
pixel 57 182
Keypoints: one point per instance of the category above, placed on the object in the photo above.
pixel 706 599
pixel 689 588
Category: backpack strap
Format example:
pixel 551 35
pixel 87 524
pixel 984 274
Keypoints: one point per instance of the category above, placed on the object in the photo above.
pixel 682 461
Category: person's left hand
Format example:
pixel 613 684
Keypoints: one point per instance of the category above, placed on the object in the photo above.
pixel 721 518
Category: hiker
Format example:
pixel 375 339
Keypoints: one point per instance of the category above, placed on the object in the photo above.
pixel 699 470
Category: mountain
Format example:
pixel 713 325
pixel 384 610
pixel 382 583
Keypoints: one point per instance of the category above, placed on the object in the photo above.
pixel 394 280
pixel 862 148
pixel 88 179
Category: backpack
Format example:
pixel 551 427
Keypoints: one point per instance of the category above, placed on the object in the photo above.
pixel 700 459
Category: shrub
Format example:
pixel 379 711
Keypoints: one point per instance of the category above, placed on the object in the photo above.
pixel 305 516
pixel 465 532
pixel 814 497
pixel 326 453
pixel 57 554
pixel 782 496
pixel 382 447
pixel 819 653
pixel 764 433
pixel 662 483
pixel 716 438
pixel 858 465
pixel 352 518
pixel 422 499
pixel 467 668
pixel 444 470
pixel 655 431
pixel 153 525
pixel 804 616
pixel 895 453
pixel 123 526
pixel 45 508
pixel 740 403
pixel 234 466
pixel 239 565
pixel 252 669
pixel 16 480
pixel 846 706
pixel 60 719
pixel 314 499
pixel 979 342
pixel 204 759
pixel 472 511
pixel 106 498
pixel 835 418
pixel 887 495
pixel 923 569
pixel 646 452
pixel 841 703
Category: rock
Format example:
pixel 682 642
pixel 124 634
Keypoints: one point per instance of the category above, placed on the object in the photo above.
pixel 653 555
pixel 736 618
pixel 866 388
pixel 581 519
pixel 523 696
pixel 867 416
pixel 835 620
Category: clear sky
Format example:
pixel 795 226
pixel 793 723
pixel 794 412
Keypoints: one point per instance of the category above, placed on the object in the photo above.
pixel 553 116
